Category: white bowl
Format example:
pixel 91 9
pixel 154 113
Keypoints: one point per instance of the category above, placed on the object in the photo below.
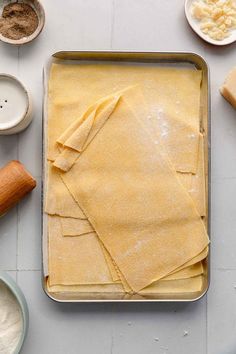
pixel 16 291
pixel 196 28
pixel 15 105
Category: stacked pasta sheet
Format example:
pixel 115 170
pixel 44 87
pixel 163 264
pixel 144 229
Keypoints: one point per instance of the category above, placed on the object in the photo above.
pixel 125 192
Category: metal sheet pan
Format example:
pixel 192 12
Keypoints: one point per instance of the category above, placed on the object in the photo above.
pixel 137 58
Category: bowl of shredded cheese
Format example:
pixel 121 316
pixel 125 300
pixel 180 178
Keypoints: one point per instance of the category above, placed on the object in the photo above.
pixel 14 316
pixel 213 20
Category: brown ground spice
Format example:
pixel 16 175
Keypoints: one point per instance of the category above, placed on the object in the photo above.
pixel 18 20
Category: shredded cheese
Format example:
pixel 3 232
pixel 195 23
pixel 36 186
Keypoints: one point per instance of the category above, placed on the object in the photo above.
pixel 217 18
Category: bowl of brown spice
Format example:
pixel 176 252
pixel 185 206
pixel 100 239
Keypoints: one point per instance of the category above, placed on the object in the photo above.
pixel 21 21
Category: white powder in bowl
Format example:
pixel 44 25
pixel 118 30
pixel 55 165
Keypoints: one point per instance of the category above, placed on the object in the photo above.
pixel 11 323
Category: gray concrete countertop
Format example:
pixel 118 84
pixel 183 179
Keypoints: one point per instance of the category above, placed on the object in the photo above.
pixel 204 327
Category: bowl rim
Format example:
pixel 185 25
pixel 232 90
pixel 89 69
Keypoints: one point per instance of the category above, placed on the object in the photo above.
pixel 18 294
pixel 39 9
pixel 9 126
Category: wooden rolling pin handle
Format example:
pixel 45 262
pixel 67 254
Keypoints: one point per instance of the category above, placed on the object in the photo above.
pixel 15 183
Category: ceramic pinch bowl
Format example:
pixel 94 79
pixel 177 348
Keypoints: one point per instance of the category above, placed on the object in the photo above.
pixel 15 105
pixel 38 8
pixel 194 24
pixel 20 298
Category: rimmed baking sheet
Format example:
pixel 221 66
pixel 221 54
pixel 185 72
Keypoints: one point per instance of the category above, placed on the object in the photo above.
pixel 176 59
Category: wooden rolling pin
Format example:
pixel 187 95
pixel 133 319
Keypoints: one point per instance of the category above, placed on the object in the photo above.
pixel 15 183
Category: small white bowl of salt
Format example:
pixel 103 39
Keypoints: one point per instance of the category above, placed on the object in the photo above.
pixel 14 316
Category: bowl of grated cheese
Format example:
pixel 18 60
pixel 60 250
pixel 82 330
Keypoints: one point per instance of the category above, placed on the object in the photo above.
pixel 213 20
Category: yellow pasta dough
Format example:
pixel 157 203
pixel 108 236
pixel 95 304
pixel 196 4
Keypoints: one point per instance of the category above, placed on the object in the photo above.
pixel 185 179
pixel 174 287
pixel 198 186
pixel 161 287
pixel 105 106
pixel 95 288
pixel 173 107
pixel 188 272
pixel 142 225
pixel 75 260
pixel 58 200
pixel 135 202
pixel 201 256
pixel 75 227
pixel 84 130
pixel 195 183
pixel 110 263
pixel 60 116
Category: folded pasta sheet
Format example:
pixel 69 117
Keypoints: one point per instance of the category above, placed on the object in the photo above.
pixel 135 202
pixel 189 272
pixel 58 200
pixel 172 95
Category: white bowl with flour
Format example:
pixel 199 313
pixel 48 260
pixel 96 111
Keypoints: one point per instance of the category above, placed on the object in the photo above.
pixel 13 316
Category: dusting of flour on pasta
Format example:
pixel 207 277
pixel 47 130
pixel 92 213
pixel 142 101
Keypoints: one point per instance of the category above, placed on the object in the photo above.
pixel 10 321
